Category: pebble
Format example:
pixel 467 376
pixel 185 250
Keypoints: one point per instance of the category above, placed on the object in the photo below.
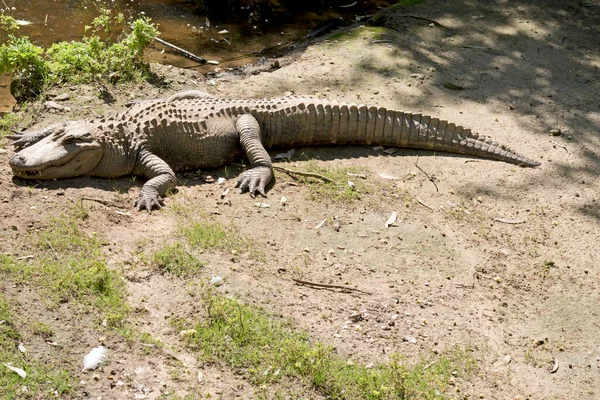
pixel 555 132
pixel 507 359
pixel 62 97
pixel 216 281
pixel 54 105
pixel 409 339
pixel 355 317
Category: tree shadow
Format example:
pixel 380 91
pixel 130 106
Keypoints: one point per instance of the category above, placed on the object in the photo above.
pixel 538 59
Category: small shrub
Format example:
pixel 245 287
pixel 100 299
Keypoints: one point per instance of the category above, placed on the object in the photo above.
pixel 95 58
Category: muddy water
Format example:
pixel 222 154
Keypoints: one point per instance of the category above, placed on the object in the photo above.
pixel 211 34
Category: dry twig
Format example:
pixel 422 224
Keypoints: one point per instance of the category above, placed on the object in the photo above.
pixel 431 178
pixel 327 286
pixel 300 173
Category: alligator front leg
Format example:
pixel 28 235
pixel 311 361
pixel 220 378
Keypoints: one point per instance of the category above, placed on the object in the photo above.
pixel 161 178
pixel 258 177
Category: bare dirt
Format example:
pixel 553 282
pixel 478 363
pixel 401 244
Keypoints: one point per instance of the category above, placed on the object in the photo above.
pixel 455 268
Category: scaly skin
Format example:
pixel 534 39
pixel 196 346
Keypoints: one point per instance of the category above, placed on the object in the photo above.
pixel 191 130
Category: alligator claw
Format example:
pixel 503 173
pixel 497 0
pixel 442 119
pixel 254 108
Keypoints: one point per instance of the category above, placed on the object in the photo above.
pixel 149 201
pixel 255 180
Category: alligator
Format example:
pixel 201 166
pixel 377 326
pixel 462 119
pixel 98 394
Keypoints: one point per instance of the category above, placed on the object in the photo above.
pixel 192 130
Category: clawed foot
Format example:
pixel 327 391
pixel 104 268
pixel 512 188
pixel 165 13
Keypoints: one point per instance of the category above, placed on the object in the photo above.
pixel 149 200
pixel 255 180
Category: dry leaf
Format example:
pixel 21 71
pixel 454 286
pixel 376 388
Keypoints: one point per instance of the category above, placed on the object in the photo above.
pixel 452 86
pixel 22 348
pixel 391 220
pixel 16 370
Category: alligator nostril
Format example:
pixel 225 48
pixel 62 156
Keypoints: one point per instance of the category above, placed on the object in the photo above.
pixel 18 160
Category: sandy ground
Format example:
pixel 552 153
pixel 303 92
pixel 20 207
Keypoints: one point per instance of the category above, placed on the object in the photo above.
pixel 453 270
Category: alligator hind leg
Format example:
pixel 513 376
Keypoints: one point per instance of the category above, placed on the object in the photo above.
pixel 258 177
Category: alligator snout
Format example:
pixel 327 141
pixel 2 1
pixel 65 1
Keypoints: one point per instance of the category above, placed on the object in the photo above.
pixel 18 160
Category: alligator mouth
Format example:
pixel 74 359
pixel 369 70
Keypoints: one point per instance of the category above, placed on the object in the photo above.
pixel 54 170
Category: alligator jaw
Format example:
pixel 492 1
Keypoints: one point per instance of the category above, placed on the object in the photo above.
pixel 77 165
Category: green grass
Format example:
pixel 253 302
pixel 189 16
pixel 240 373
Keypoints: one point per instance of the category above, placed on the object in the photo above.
pixel 42 381
pixel 266 349
pixel 338 190
pixel 176 260
pixel 6 122
pixel 69 267
pixel 204 234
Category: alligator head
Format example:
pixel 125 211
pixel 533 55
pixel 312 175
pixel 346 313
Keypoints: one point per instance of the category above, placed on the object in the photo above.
pixel 69 150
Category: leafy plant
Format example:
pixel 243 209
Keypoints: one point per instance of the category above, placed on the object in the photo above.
pixel 95 58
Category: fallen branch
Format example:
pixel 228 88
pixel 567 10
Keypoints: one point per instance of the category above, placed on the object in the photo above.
pixel 185 53
pixel 300 173
pixel 431 179
pixel 327 286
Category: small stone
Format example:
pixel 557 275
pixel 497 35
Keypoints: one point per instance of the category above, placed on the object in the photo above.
pixel 55 106
pixel 355 317
pixel 507 359
pixel 216 281
pixel 409 339
pixel 62 97
pixel 555 132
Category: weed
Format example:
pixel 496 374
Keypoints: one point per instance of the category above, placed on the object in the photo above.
pixel 175 259
pixel 267 349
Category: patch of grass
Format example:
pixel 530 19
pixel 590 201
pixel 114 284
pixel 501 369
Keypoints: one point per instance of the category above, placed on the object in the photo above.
pixel 205 234
pixel 42 381
pixel 266 349
pixel 69 266
pixel 175 259
pixel 42 329
pixel 338 190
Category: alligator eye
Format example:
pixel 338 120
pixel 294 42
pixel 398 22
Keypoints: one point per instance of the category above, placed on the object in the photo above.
pixel 69 140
